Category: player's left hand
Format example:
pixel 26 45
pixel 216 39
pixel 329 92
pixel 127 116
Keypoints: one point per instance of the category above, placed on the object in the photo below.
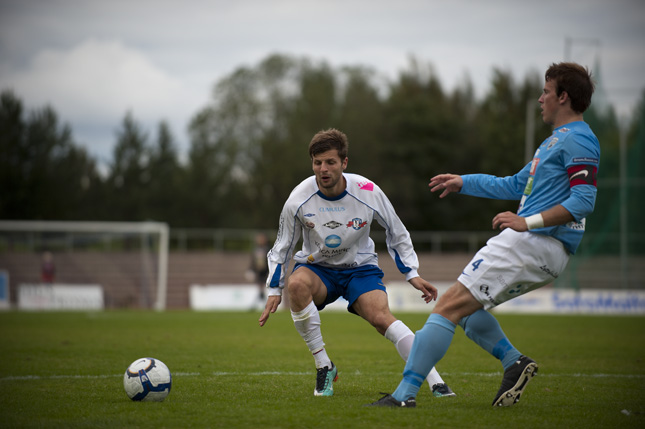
pixel 429 292
pixel 510 220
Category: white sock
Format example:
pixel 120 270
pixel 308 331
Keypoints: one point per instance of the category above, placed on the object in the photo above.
pixel 307 324
pixel 402 337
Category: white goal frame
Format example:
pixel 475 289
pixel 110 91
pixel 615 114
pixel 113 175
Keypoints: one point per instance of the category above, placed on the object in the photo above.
pixel 144 228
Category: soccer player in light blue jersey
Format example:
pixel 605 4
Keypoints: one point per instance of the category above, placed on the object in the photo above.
pixel 557 191
pixel 332 212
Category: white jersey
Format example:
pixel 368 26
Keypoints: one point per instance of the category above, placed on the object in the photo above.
pixel 335 231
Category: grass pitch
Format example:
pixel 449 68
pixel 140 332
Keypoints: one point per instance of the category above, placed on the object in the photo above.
pixel 66 369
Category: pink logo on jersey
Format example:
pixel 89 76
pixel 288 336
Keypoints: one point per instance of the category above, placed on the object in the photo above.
pixel 366 186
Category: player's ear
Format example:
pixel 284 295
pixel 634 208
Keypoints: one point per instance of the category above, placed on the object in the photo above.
pixel 563 97
pixel 345 163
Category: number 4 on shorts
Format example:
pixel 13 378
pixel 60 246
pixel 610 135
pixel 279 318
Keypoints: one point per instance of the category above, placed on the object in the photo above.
pixel 476 264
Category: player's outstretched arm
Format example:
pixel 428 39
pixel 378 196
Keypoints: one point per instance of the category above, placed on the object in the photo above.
pixel 429 292
pixel 273 301
pixel 447 183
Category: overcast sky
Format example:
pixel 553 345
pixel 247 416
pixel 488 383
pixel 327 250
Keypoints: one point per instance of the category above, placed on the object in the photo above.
pixel 94 60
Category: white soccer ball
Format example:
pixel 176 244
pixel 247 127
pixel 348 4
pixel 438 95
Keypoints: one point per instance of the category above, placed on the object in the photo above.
pixel 147 379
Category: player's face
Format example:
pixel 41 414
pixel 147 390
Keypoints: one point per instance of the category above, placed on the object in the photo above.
pixel 549 102
pixel 328 168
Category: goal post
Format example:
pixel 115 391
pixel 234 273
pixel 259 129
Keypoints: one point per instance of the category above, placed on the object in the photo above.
pixel 97 227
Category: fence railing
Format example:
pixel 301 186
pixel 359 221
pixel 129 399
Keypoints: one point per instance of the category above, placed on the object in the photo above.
pixel 224 239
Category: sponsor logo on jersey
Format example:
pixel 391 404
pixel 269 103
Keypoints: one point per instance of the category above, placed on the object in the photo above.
pixel 529 186
pixel 578 226
pixel 351 265
pixel 310 259
pixel 333 241
pixel 330 253
pixel 585 159
pixel 366 186
pixel 331 209
pixel 534 165
pixel 356 223
pixel 309 214
pixel 332 224
pixel 552 143
pixel 564 130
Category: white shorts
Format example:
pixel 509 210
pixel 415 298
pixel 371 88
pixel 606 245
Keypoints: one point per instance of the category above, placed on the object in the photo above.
pixel 512 264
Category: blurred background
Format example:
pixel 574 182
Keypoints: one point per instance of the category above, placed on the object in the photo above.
pixel 194 117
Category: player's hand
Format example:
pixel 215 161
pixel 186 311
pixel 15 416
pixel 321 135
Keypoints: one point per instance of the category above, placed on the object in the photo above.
pixel 273 301
pixel 429 292
pixel 447 183
pixel 510 220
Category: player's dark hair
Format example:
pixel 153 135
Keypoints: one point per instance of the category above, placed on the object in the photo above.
pixel 327 140
pixel 575 80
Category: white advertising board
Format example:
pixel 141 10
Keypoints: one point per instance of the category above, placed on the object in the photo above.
pixel 403 297
pixel 60 297
pixel 587 301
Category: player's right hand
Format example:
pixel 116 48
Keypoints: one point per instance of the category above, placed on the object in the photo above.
pixel 273 301
pixel 447 183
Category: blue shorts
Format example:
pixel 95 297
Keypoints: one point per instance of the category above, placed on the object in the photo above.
pixel 350 283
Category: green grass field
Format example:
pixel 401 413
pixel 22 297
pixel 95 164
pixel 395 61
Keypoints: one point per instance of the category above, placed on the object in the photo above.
pixel 66 369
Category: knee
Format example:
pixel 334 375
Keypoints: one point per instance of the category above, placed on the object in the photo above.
pixel 445 307
pixel 457 304
pixel 381 321
pixel 299 292
pixel 295 286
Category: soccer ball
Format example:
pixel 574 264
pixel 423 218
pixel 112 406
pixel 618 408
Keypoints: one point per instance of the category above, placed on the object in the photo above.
pixel 147 379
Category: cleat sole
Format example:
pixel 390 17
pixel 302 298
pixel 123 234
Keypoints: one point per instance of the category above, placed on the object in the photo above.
pixel 512 396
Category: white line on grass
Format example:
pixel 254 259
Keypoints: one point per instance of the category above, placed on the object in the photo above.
pixel 280 373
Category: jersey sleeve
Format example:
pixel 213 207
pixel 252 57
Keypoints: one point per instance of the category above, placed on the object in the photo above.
pixel 501 188
pixel 581 159
pixel 397 237
pixel 278 258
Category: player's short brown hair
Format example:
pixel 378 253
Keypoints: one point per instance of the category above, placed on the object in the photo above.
pixel 327 140
pixel 575 80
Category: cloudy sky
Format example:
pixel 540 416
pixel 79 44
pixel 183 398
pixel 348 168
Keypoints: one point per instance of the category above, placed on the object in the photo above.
pixel 94 60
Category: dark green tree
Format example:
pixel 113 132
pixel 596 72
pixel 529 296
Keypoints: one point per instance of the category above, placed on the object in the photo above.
pixel 43 174
pixel 165 195
pixel 129 178
pixel 362 117
pixel 249 146
pixel 424 129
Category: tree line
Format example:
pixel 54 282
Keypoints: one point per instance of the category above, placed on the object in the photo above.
pixel 248 148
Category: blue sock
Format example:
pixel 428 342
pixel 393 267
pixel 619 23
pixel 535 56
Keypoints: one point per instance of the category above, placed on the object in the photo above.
pixel 430 345
pixel 484 329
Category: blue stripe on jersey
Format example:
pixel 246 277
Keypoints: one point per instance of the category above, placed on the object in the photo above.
pixel 399 263
pixel 275 279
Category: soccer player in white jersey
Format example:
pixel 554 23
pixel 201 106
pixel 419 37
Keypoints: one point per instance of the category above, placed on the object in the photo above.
pixel 332 212
pixel 556 190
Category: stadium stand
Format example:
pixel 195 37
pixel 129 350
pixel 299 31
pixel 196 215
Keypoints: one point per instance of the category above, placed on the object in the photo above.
pixel 129 283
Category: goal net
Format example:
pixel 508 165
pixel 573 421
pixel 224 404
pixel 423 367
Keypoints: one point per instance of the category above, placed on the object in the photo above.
pixel 128 260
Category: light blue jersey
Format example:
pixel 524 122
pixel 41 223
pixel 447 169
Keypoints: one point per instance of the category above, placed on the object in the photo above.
pixel 563 171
